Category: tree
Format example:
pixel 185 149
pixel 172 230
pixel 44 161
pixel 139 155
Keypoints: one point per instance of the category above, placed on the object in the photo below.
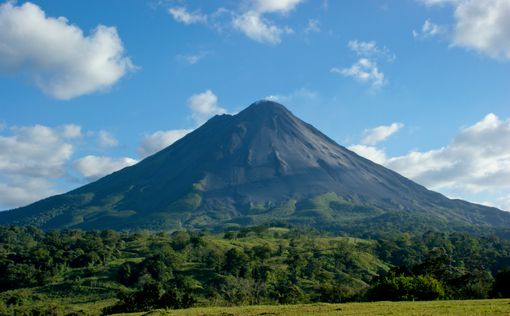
pixel 180 240
pixel 286 292
pixel 128 273
pixel 501 286
pixel 406 288
pixel 174 294
pixel 236 262
pixel 262 252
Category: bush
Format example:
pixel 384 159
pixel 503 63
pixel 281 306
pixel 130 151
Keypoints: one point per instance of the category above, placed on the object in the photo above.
pixel 152 296
pixel 406 288
pixel 502 284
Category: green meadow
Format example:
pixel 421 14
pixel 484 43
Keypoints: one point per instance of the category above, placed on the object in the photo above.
pixel 492 307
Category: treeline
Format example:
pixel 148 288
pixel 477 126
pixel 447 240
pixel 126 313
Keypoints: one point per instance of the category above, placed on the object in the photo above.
pixel 257 265
pixel 443 266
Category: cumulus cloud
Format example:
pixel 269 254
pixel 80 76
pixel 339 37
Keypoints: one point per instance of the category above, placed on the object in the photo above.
pixel 30 157
pixel 56 56
pixel 476 161
pixel 482 26
pixel 363 48
pixel 369 152
pixel 106 140
pixel 71 131
pixel 370 49
pixel 364 70
pixel 181 14
pixel 429 29
pixel 253 25
pixel 95 167
pixel 34 151
pixel 280 6
pixel 504 202
pixel 18 192
pixel 378 134
pixel 157 141
pixel 250 18
pixel 204 105
pixel 36 162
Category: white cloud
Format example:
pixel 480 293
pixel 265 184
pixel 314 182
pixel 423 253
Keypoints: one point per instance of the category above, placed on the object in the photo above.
pixel 106 140
pixel 369 152
pixel 35 162
pixel 378 134
pixel 95 167
pixel 476 161
pixel 504 203
pixel 181 14
pixel 253 25
pixel 34 151
pixel 56 56
pixel 280 6
pixel 429 29
pixel 31 157
pixel 370 49
pixel 482 26
pixel 363 48
pixel 364 70
pixel 71 131
pixel 250 18
pixel 23 191
pixel 204 105
pixel 157 141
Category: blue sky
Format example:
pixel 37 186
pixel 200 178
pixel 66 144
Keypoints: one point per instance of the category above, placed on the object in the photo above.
pixel 420 86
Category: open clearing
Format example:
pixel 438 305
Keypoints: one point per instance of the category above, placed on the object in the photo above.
pixel 465 307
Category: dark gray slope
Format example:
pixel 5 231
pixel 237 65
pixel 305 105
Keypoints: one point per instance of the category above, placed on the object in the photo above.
pixel 259 159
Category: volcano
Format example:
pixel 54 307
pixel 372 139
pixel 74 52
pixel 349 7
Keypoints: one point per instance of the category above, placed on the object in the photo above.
pixel 261 166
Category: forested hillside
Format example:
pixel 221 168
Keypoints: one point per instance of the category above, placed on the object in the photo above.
pixel 93 272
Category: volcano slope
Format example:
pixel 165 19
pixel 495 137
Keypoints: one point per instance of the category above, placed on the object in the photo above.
pixel 261 166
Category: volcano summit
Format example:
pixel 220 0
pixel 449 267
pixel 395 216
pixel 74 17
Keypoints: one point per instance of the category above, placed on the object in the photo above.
pixel 262 165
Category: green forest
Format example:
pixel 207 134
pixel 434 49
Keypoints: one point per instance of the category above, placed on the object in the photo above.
pixel 75 272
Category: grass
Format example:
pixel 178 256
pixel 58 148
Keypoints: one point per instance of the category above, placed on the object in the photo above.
pixel 442 308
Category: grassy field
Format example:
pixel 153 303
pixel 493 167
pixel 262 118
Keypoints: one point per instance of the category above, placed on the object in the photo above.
pixel 465 307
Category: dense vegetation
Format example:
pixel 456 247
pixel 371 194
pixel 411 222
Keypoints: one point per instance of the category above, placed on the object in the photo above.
pixel 88 272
